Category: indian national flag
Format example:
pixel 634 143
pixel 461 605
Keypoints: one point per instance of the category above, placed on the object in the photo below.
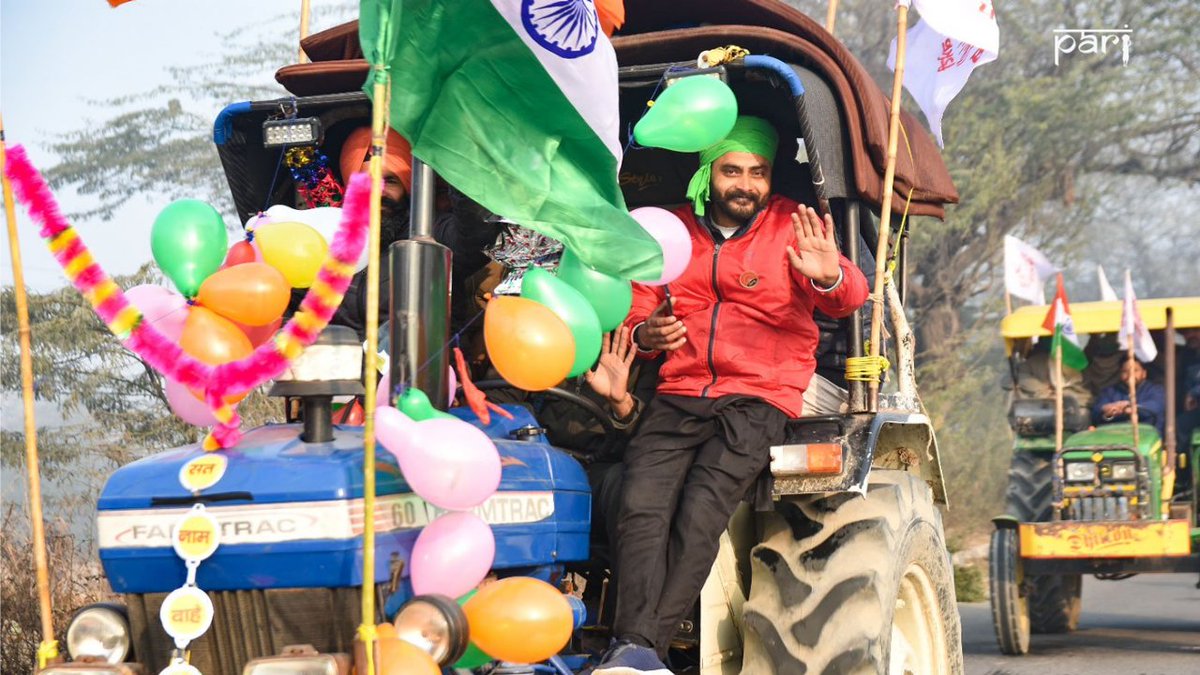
pixel 1058 321
pixel 514 102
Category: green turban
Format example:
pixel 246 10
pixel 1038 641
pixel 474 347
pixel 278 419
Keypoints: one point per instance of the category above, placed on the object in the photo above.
pixel 749 134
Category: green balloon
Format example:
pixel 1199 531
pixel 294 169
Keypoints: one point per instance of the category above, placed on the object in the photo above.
pixel 570 306
pixel 474 656
pixel 414 403
pixel 689 116
pixel 609 296
pixel 189 243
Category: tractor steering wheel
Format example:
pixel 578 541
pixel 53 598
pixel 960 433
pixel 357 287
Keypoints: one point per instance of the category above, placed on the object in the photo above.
pixel 611 435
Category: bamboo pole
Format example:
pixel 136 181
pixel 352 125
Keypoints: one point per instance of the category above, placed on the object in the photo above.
pixel 304 16
pixel 1007 303
pixel 48 650
pixel 1169 428
pixel 831 16
pixel 1133 411
pixel 1058 433
pixel 378 147
pixel 889 179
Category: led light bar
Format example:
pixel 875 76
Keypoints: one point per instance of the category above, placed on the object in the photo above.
pixel 291 132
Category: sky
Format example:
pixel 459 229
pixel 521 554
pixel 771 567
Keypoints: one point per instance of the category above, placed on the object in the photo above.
pixel 58 56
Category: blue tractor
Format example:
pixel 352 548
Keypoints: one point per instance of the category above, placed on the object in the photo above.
pixel 841 566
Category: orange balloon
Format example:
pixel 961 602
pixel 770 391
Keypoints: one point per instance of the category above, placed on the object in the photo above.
pixel 260 334
pixel 528 344
pixel 519 619
pixel 253 293
pixel 397 657
pixel 213 340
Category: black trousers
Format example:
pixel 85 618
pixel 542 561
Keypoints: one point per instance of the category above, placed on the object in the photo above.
pixel 687 468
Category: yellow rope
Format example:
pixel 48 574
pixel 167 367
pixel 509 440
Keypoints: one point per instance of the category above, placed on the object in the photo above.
pixel 47 652
pixel 866 368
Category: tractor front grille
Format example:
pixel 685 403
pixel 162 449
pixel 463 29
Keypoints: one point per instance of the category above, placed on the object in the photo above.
pixel 1101 508
pixel 249 625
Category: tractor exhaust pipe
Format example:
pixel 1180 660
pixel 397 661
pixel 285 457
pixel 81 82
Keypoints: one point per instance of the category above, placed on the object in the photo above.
pixel 420 300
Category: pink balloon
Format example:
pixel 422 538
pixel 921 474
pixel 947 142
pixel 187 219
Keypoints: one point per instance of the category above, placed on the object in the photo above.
pixel 452 555
pixel 165 309
pixel 385 385
pixel 187 407
pixel 449 463
pixel 672 235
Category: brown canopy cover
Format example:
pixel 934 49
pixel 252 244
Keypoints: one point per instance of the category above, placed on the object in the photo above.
pixel 762 26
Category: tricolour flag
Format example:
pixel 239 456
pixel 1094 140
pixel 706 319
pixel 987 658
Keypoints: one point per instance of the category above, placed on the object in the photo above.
pixel 1058 321
pixel 514 102
pixel 1132 325
pixel 1025 270
pixel 946 45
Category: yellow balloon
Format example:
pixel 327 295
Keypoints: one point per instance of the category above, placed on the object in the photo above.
pixel 295 249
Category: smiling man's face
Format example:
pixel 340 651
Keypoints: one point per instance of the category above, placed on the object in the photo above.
pixel 741 185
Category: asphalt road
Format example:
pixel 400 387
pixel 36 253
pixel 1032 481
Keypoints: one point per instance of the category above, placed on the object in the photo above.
pixel 1147 625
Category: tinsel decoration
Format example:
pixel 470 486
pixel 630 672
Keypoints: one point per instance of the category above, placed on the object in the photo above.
pixel 314 181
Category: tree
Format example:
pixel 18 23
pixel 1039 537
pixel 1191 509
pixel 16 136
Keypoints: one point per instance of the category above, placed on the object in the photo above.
pixel 113 401
pixel 160 141
pixel 1092 161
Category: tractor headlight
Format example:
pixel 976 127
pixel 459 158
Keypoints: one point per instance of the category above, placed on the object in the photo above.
pixel 1124 471
pixel 1081 472
pixel 436 624
pixel 99 633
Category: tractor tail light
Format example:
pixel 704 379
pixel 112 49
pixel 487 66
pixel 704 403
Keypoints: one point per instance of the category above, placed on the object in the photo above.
pixel 806 459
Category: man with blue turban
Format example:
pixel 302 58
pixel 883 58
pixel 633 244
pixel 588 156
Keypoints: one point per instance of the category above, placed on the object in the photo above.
pixel 740 342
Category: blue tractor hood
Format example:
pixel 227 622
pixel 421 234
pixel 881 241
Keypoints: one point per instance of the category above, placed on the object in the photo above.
pixel 291 512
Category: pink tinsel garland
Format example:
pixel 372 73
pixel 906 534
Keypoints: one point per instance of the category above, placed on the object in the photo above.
pixel 228 380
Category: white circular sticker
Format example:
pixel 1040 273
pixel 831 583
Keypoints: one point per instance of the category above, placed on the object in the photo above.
pixel 203 472
pixel 196 536
pixel 186 613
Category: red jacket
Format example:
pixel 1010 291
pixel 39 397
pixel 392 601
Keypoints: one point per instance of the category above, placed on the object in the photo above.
pixel 749 315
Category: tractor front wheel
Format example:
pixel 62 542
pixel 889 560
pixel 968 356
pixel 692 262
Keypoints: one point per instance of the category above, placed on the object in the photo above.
pixel 1010 608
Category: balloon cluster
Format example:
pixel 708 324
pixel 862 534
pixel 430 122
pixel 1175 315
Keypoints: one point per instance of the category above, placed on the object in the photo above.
pixel 454 466
pixel 230 299
pixel 553 330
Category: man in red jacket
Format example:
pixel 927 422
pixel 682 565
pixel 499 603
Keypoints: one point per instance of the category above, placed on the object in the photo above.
pixel 740 340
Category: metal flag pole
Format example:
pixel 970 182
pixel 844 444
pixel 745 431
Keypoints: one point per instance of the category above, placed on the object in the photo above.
pixel 48 649
pixel 885 215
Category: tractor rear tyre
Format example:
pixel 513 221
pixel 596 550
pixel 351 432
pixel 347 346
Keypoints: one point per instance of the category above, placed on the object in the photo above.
pixel 854 583
pixel 1010 610
pixel 1054 601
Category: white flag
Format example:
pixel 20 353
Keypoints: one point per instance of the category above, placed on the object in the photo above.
pixel 1025 270
pixel 950 40
pixel 1132 325
pixel 1107 294
pixel 970 21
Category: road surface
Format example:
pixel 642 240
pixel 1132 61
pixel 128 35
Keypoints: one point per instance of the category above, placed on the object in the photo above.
pixel 1147 625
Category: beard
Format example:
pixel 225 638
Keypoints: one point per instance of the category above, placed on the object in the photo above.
pixel 739 205
pixel 393 221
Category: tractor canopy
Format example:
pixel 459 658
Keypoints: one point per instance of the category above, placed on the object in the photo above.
pixel 1092 318
pixel 847 109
